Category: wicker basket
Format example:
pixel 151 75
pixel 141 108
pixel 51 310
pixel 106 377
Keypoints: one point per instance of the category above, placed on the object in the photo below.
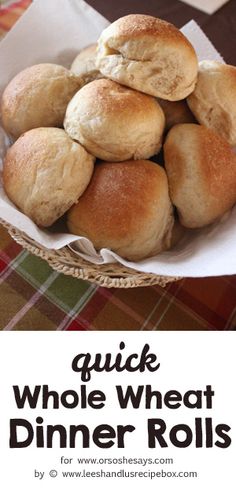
pixel 113 275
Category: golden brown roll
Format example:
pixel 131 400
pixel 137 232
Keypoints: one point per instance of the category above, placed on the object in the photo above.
pixel 126 208
pixel 201 169
pixel 115 123
pixel 149 55
pixel 176 113
pixel 213 101
pixel 84 65
pixel 37 97
pixel 45 172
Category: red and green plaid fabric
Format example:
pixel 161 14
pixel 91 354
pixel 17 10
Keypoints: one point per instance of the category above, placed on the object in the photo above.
pixel 33 297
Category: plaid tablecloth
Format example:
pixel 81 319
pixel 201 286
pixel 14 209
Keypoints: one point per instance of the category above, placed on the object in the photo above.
pixel 33 297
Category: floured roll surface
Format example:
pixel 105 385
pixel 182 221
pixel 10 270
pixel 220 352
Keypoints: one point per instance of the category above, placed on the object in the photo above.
pixel 201 169
pixel 37 97
pixel 126 208
pixel 84 65
pixel 86 53
pixel 149 55
pixel 114 122
pixel 213 101
pixel 45 172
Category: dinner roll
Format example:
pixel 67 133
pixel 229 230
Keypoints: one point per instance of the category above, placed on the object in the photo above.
pixel 37 97
pixel 126 208
pixel 45 172
pixel 148 54
pixel 115 123
pixel 176 113
pixel 86 53
pixel 213 101
pixel 84 65
pixel 201 169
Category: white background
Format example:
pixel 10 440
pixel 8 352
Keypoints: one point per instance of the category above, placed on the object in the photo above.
pixel 188 361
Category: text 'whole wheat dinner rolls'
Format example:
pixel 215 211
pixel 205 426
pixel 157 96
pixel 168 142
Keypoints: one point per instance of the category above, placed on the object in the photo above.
pixel 201 169
pixel 148 54
pixel 126 208
pixel 115 123
pixel 213 101
pixel 45 172
pixel 37 97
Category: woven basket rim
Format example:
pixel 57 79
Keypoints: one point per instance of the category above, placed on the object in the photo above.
pixel 113 275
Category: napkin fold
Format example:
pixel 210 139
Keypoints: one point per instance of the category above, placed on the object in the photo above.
pixel 208 6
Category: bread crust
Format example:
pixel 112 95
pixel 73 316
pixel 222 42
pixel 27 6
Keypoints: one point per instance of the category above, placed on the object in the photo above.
pixel 149 55
pixel 126 208
pixel 45 172
pixel 176 113
pixel 114 122
pixel 37 97
pixel 84 65
pixel 213 100
pixel 201 169
pixel 86 53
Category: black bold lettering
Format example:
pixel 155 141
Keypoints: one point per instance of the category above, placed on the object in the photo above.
pixel 61 430
pixel 197 399
pixel 85 435
pixel 104 431
pixel 121 431
pixel 172 399
pixel 156 429
pixel 221 430
pixel 178 428
pixel 209 432
pixel 14 442
pixel 209 393
pixel 47 394
pixel 26 396
pixel 129 396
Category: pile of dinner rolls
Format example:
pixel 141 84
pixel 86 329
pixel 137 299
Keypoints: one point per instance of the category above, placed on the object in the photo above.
pixel 83 139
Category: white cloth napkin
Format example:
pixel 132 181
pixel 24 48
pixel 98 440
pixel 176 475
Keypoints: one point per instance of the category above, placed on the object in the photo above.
pixel 208 6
